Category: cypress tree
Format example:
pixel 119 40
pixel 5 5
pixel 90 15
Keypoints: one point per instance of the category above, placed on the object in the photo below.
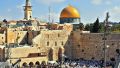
pixel 96 26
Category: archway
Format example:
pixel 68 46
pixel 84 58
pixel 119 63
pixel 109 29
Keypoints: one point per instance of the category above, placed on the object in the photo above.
pixel 31 64
pixel 50 55
pixel 37 63
pixel 43 64
pixel 24 64
pixel 60 55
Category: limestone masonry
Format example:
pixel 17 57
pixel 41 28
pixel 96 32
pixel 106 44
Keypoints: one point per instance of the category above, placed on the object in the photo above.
pixel 34 42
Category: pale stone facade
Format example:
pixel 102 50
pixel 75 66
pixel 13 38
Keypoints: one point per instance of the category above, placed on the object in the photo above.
pixel 91 45
pixel 47 45
pixel 32 41
pixel 27 54
pixel 44 45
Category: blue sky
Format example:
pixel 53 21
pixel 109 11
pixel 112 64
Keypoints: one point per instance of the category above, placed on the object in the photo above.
pixel 88 9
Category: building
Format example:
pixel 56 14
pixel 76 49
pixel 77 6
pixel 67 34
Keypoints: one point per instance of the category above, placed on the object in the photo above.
pixel 70 15
pixel 34 42
pixel 28 11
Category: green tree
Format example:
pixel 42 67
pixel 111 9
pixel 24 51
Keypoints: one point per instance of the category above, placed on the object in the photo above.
pixel 115 28
pixel 101 25
pixel 87 27
pixel 81 26
pixel 96 26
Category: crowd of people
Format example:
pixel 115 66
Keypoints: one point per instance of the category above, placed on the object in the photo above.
pixel 76 64
pixel 86 64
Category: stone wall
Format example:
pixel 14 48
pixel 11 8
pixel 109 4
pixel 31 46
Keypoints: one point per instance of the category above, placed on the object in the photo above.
pixel 90 45
pixel 52 39
pixel 14 36
pixel 20 37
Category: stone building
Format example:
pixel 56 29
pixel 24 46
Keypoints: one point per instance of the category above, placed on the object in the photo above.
pixel 31 46
pixel 34 42
pixel 28 11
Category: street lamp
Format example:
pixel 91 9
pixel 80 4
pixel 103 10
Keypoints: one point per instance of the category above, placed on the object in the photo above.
pixel 106 25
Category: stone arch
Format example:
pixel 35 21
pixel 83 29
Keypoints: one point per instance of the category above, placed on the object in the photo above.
pixel 50 55
pixel 43 64
pixel 60 54
pixel 37 63
pixel 24 64
pixel 31 64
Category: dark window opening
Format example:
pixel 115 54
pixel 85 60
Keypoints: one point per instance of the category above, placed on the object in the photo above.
pixel 78 45
pixel 62 43
pixel 112 43
pixel 82 50
pixel 55 43
pixel 48 36
pixel 38 54
pixel 58 35
pixel 47 43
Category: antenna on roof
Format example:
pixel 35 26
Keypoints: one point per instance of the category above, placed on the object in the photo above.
pixel 49 14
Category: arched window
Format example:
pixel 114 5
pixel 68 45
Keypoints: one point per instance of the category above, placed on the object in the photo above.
pixel 24 64
pixel 37 63
pixel 31 64
pixel 60 54
pixel 50 55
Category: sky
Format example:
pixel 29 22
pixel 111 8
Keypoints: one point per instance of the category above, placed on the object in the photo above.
pixel 89 10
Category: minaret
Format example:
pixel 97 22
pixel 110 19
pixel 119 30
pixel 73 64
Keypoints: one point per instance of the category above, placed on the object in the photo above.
pixel 28 10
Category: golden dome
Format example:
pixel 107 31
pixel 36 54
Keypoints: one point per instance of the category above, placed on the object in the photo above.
pixel 69 12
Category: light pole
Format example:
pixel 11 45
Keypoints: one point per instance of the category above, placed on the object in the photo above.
pixel 104 49
pixel 106 25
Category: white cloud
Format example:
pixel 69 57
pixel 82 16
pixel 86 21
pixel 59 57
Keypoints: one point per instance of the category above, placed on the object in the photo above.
pixel 115 10
pixel 114 13
pixel 49 2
